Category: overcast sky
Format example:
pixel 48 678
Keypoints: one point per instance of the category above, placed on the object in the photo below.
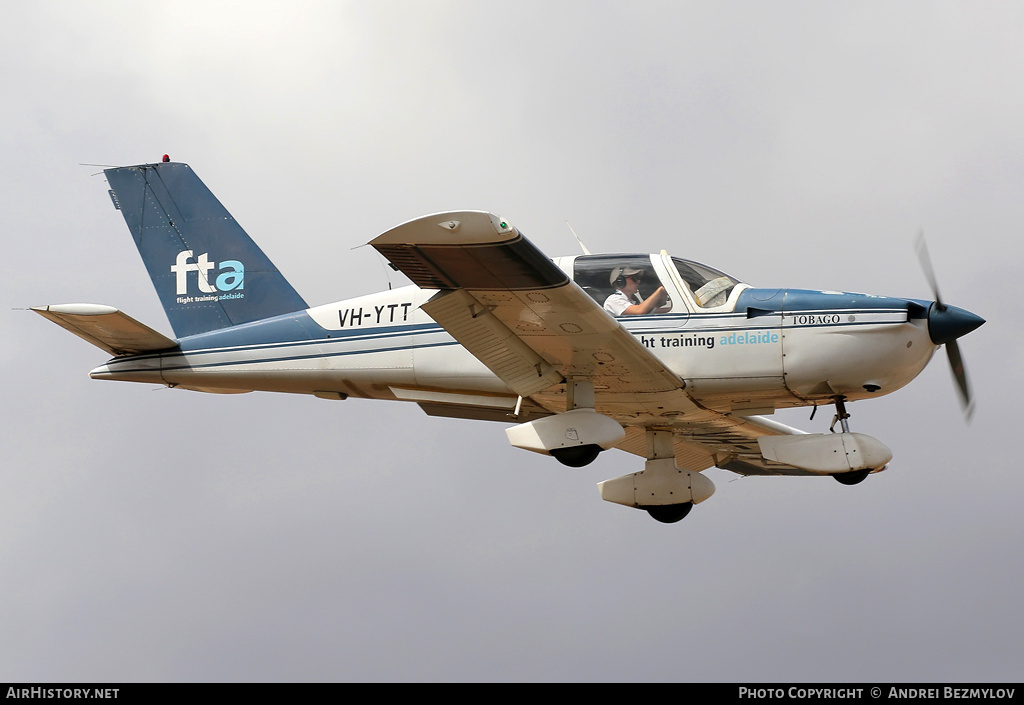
pixel 151 534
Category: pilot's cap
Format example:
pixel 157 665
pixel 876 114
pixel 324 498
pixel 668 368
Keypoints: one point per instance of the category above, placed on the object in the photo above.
pixel 623 272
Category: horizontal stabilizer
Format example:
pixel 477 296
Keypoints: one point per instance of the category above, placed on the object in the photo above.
pixel 106 328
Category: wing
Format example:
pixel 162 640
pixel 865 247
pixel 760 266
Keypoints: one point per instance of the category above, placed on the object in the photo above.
pixel 509 305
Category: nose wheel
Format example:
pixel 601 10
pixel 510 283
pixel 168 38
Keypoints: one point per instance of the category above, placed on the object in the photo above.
pixel 853 477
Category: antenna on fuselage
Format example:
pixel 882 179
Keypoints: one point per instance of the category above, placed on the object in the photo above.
pixel 383 261
pixel 585 250
pixel 386 264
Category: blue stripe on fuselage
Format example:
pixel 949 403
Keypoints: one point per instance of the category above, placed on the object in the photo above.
pixel 800 300
pixel 298 330
pixel 299 327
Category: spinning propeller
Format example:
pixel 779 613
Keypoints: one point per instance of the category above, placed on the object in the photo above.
pixel 945 325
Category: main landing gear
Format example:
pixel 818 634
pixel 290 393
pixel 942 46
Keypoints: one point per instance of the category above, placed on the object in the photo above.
pixel 853 477
pixel 577 456
pixel 663 490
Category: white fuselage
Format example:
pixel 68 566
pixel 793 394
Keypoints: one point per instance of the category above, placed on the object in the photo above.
pixel 384 346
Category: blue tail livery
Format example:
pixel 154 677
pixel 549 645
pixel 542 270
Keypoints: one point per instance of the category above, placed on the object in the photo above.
pixel 207 271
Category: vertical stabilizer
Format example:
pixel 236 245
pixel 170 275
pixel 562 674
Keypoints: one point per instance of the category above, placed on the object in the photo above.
pixel 207 271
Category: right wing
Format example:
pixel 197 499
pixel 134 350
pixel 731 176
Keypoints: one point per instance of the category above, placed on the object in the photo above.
pixel 503 300
pixel 509 305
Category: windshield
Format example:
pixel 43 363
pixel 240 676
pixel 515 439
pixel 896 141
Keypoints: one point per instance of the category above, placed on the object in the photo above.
pixel 710 287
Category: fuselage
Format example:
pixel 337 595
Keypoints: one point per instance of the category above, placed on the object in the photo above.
pixel 752 351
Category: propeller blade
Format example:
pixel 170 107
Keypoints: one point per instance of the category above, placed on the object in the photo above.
pixel 956 366
pixel 929 271
pixel 945 325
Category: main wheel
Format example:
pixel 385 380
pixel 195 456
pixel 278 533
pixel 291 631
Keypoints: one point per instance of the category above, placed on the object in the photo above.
pixel 669 513
pixel 852 478
pixel 577 456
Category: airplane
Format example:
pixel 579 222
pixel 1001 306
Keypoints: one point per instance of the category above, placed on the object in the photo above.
pixel 493 329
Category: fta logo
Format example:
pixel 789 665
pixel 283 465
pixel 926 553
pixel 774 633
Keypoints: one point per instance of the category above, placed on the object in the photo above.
pixel 231 273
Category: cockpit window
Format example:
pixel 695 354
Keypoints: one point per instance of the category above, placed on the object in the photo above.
pixel 710 287
pixel 597 275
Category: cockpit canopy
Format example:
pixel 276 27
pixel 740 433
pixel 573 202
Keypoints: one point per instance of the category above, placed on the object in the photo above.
pixel 702 286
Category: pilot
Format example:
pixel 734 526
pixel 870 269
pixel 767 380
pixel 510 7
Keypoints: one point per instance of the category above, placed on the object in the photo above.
pixel 626 301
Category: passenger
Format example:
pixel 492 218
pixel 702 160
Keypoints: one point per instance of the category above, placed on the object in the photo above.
pixel 626 301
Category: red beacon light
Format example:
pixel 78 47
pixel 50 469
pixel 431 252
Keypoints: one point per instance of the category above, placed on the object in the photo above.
pixel 167 158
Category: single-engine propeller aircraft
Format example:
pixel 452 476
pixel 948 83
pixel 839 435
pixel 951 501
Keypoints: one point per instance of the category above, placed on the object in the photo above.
pixel 493 329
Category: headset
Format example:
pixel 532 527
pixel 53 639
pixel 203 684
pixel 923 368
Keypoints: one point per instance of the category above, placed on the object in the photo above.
pixel 619 274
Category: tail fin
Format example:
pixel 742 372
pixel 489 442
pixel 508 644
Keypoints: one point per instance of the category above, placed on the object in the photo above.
pixel 207 271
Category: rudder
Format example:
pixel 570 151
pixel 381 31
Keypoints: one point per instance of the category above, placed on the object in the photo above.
pixel 207 271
